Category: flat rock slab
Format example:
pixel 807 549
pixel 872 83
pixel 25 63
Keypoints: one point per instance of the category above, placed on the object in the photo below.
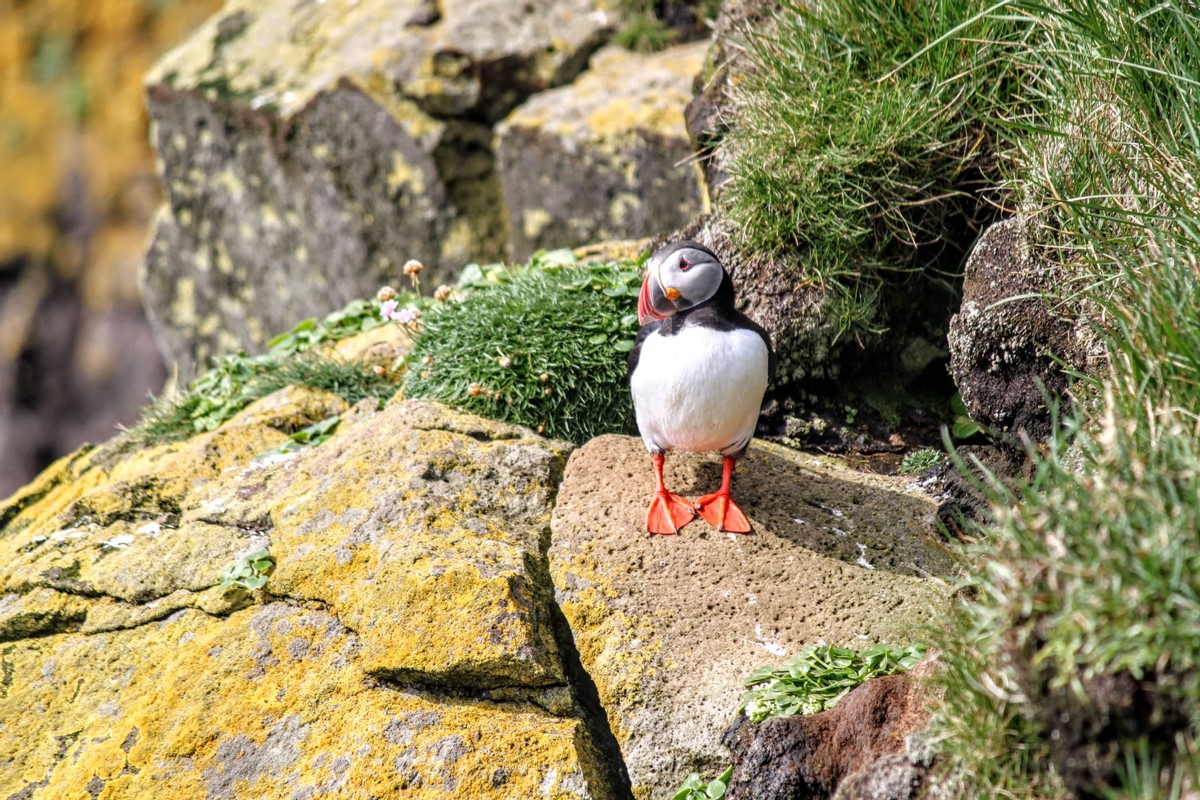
pixel 669 626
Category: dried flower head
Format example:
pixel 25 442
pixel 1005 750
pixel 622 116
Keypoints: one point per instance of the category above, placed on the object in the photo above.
pixel 379 370
pixel 442 293
pixel 385 294
pixel 504 361
pixel 412 268
pixel 426 374
pixel 427 360
pixel 548 391
pixel 474 390
pixel 544 377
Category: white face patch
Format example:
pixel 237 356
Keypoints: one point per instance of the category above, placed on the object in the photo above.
pixel 693 274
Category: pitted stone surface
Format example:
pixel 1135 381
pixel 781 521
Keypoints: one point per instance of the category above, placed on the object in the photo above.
pixel 669 626
pixel 1007 345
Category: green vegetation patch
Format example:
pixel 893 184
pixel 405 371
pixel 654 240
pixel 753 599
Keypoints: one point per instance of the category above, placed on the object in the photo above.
pixel 248 572
pixel 237 380
pixel 819 676
pixel 920 461
pixel 859 134
pixel 1075 670
pixel 696 788
pixel 543 345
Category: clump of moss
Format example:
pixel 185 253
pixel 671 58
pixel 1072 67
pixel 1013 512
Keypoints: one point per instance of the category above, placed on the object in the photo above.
pixel 542 345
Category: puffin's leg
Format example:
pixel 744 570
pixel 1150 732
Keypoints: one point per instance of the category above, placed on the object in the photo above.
pixel 668 512
pixel 720 511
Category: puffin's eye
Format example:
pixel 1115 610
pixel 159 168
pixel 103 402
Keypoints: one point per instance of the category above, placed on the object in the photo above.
pixel 684 265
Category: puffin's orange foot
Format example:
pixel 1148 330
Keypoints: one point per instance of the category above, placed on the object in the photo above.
pixel 722 513
pixel 668 513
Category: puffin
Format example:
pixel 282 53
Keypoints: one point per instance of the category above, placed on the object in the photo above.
pixel 698 371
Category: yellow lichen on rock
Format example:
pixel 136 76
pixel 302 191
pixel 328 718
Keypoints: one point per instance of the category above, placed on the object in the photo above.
pixel 269 702
pixel 408 553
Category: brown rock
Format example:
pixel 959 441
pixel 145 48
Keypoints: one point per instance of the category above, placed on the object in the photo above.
pixel 1006 342
pixel 854 750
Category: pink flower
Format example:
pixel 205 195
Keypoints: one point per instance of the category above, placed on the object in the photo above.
pixel 389 310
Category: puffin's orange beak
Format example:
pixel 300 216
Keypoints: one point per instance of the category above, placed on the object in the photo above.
pixel 646 310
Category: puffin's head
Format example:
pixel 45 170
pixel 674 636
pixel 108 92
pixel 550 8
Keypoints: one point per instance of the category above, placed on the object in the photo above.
pixel 679 276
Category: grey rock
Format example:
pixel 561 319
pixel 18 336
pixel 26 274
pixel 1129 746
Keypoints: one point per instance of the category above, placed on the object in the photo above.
pixel 308 150
pixel 607 157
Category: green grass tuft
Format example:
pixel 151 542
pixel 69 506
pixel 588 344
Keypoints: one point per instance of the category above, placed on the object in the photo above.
pixel 859 133
pixel 543 345
pixel 1090 574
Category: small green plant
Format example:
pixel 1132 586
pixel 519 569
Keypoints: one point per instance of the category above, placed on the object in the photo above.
pixel 237 379
pixel 819 676
pixel 694 788
pixel 919 461
pixel 963 427
pixel 357 317
pixel 311 436
pixel 248 572
pixel 542 345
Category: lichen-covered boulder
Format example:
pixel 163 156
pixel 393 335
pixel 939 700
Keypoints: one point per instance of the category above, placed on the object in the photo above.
pixel 1007 345
pixel 405 641
pixel 308 150
pixel 668 627
pixel 607 157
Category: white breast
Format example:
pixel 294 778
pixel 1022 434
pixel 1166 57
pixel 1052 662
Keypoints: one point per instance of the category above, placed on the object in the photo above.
pixel 700 389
